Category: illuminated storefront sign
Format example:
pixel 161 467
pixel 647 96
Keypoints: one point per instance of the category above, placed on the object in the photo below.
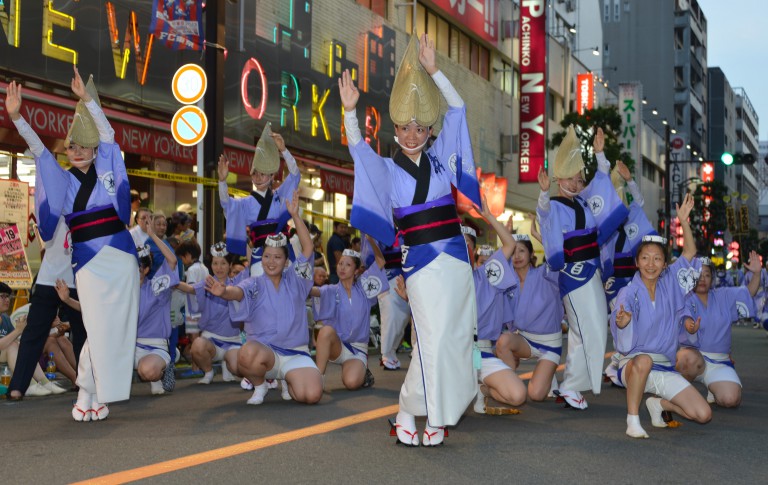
pixel 533 77
pixel 585 92
pixel 271 79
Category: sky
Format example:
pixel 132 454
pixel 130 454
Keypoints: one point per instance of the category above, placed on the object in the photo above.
pixel 737 43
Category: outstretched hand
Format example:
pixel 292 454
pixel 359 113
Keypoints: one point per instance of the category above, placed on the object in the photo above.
pixel 543 179
pixel 223 168
pixel 623 317
pixel 753 264
pixel 599 143
pixel 279 142
pixel 692 326
pixel 684 209
pixel 214 286
pixel 623 171
pixel 427 56
pixel 348 91
pixel 293 205
pixel 13 100
pixel 400 287
pixel 78 86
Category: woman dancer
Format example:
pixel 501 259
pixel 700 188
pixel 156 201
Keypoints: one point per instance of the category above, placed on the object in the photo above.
pixel 534 309
pixel 345 309
pixel 220 337
pixel 645 325
pixel 416 186
pixel 493 277
pixel 274 311
pixel 573 227
pixel 264 212
pixel 706 355
pixel 94 197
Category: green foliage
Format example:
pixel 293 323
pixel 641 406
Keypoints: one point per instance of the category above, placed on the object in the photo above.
pixel 609 119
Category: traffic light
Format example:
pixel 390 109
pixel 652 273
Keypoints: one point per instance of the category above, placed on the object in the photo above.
pixel 729 159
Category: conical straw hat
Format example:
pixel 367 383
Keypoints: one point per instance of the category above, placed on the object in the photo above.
pixel 414 96
pixel 83 129
pixel 266 158
pixel 568 161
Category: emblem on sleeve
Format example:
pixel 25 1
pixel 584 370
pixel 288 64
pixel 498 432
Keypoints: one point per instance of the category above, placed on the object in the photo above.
pixel 494 272
pixel 686 278
pixel 631 230
pixel 160 284
pixel 371 286
pixel 303 271
pixel 742 310
pixel 108 179
pixel 596 204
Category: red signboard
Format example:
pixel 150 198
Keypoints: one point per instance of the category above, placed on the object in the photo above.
pixel 533 82
pixel 53 121
pixel 336 182
pixel 585 92
pixel 493 188
pixel 479 16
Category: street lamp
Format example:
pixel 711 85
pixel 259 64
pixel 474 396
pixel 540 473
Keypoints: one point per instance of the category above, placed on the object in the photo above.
pixel 595 50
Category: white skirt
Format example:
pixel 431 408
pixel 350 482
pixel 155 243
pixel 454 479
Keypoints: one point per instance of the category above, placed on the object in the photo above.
pixel 441 381
pixel 108 287
pixel 587 314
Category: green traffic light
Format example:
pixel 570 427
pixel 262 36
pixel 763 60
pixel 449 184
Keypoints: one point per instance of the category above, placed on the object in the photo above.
pixel 726 158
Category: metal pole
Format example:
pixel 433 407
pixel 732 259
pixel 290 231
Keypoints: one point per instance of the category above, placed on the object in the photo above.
pixel 214 110
pixel 667 188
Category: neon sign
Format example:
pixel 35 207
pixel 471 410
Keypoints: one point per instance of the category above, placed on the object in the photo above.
pixel 250 66
pixel 53 17
pixel 10 21
pixel 131 34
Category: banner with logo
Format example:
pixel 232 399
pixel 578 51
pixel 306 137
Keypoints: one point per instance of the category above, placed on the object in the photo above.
pixel 178 23
pixel 585 92
pixel 14 267
pixel 533 95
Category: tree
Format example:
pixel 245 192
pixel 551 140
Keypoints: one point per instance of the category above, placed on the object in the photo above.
pixel 609 119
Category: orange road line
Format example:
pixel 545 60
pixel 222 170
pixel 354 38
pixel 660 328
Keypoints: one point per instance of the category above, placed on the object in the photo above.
pixel 248 446
pixel 238 449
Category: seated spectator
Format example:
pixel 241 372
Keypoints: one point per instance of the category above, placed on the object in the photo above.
pixel 9 346
pixel 58 343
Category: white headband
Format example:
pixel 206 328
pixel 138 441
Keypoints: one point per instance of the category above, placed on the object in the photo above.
pixel 276 240
pixel 705 261
pixel 485 250
pixel 655 239
pixel 219 250
pixel 351 252
pixel 521 237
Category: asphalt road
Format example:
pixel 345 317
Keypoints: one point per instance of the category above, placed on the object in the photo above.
pixel 207 434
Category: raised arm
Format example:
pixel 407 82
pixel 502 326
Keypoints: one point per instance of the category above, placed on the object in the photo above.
pixel 229 293
pixel 623 170
pixel 544 185
pixel 349 96
pixel 167 253
pixel 507 241
pixel 683 211
pixel 106 133
pixel 307 248
pixel 603 164
pixel 13 107
pixel 290 162
pixel 753 265
pixel 377 254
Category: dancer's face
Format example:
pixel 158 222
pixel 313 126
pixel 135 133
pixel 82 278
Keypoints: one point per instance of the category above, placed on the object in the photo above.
pixel 651 261
pixel 262 181
pixel 220 268
pixel 572 185
pixel 412 137
pixel 521 257
pixel 79 156
pixel 273 261
pixel 346 268
pixel 705 280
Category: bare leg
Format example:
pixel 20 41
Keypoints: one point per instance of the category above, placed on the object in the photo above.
pixel 727 394
pixel 203 351
pixel 305 385
pixel 352 374
pixel 254 360
pixel 636 371
pixel 541 382
pixel 62 364
pixel 689 404
pixel 230 360
pixel 504 386
pixel 690 363
pixel 328 347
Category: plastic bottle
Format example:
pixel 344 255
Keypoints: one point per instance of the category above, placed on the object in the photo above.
pixel 5 376
pixel 50 368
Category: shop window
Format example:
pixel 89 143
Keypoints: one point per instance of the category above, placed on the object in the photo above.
pixel 443 44
pixel 485 62
pixel 378 7
pixel 464 50
pixel 421 20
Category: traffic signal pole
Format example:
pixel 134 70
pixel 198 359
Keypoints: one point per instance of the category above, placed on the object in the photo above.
pixel 667 178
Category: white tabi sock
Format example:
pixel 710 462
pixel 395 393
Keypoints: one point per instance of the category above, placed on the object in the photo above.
pixel 633 427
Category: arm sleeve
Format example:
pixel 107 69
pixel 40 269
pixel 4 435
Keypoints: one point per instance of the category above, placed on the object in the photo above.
pixel 106 133
pixel 290 162
pixel 544 201
pixel 602 163
pixel 33 141
pixel 224 195
pixel 352 127
pixel 635 191
pixel 447 90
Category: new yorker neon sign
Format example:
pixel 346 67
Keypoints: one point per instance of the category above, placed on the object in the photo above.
pixel 277 79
